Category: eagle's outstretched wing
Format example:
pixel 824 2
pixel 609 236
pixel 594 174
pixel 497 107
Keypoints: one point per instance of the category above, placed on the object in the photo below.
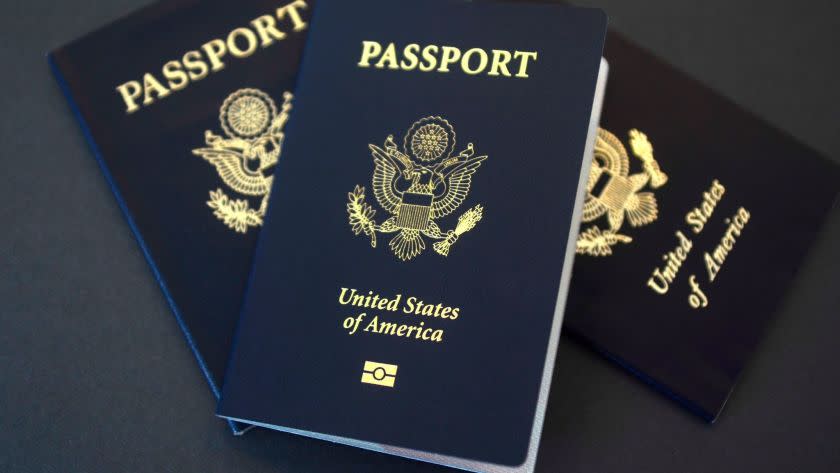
pixel 456 187
pixel 233 171
pixel 385 175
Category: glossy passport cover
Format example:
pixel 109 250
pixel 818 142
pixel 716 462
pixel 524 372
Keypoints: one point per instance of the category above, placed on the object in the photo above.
pixel 473 395
pixel 759 196
pixel 164 188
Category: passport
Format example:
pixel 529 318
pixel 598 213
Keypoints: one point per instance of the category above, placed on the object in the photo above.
pixel 697 217
pixel 410 279
pixel 184 104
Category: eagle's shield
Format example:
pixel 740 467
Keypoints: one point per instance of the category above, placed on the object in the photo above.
pixel 414 211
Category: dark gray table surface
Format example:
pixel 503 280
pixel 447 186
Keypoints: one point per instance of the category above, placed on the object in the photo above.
pixel 95 374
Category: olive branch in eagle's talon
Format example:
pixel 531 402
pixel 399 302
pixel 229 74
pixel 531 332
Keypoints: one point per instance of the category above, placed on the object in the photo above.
pixel 234 213
pixel 594 242
pixel 361 214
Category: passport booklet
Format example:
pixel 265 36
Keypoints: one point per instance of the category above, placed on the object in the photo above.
pixel 410 279
pixel 696 218
pixel 184 104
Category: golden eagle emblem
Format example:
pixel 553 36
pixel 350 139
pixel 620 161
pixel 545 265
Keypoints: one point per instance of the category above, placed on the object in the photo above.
pixel 417 185
pixel 612 191
pixel 251 146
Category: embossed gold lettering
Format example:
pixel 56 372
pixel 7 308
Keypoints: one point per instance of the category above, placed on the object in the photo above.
pixel 210 57
pixel 130 92
pixel 370 49
pixel 501 58
pixel 482 61
pixel 152 86
pixel 389 57
pixel 291 10
pixel 661 279
pixel 177 78
pixel 196 67
pixel 250 41
pixel 715 260
pixel 429 58
pixel 419 332
pixel 215 51
pixel 700 215
pixel 445 59
pixel 524 57
pixel 266 28
pixel 449 55
pixel 410 54
pixel 369 301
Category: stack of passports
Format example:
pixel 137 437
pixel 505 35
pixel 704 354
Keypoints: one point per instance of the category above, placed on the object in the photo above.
pixel 387 221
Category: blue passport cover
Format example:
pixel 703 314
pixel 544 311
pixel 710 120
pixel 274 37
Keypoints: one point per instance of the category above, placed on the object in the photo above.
pixel 406 281
pixel 161 95
pixel 697 217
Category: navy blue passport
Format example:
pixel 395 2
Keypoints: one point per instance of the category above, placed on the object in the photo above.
pixel 696 219
pixel 184 104
pixel 410 280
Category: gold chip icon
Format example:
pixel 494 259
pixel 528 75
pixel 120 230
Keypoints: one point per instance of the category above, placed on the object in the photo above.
pixel 381 374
